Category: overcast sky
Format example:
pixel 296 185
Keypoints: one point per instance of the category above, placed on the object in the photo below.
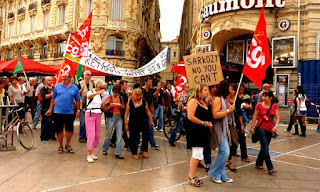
pixel 171 12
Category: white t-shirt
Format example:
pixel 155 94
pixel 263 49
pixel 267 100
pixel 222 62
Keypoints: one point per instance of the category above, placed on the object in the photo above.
pixel 303 106
pixel 95 104
pixel 105 95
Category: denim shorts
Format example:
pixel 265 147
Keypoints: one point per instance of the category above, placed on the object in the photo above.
pixel 302 113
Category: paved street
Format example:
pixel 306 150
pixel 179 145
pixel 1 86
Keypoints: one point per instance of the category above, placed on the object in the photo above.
pixel 42 169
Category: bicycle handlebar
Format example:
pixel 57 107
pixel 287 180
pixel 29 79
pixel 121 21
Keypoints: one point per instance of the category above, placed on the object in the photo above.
pixel 16 110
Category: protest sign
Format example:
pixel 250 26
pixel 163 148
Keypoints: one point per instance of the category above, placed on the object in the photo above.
pixel 156 65
pixel 203 68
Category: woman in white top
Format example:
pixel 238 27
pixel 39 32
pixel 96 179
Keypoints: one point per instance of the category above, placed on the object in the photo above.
pixel 301 110
pixel 93 118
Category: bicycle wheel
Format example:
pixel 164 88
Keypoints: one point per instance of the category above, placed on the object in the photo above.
pixel 25 136
pixel 168 130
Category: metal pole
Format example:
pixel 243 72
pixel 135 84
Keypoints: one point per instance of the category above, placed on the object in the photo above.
pixel 235 99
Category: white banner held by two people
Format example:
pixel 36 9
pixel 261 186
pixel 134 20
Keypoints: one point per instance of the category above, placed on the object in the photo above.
pixel 156 65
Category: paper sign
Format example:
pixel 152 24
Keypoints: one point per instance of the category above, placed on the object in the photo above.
pixel 203 68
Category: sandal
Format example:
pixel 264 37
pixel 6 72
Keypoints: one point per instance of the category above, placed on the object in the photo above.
pixel 246 160
pixel 198 180
pixel 260 168
pixel 272 171
pixel 69 149
pixel 231 167
pixel 60 150
pixel 136 157
pixel 104 152
pixel 194 182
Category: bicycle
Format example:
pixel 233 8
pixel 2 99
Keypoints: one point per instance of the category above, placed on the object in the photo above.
pixel 167 129
pixel 24 132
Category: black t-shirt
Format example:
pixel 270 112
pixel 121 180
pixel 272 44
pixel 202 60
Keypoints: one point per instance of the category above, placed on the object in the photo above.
pixel 45 103
pixel 125 97
pixel 158 99
pixel 148 95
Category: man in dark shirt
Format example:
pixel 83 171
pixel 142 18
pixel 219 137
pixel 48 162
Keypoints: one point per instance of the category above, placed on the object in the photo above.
pixel 46 92
pixel 158 105
pixel 148 96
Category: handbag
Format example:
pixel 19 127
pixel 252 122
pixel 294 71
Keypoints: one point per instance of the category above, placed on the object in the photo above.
pixel 109 112
pixel 234 134
pixel 256 137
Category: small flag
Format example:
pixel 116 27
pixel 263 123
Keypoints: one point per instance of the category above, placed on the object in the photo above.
pixel 79 73
pixel 18 68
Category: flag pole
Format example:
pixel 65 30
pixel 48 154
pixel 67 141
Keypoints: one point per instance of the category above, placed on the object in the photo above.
pixel 235 99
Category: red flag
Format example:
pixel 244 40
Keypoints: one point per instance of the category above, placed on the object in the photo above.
pixel 83 35
pixel 67 66
pixel 258 59
pixel 73 51
pixel 181 79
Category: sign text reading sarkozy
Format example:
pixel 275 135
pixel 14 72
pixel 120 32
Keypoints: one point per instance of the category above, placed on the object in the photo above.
pixel 203 68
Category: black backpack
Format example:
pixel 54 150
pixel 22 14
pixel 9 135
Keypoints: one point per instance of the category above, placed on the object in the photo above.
pixel 84 102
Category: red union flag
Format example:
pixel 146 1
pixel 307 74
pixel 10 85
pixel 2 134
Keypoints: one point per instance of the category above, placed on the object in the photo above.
pixel 181 79
pixel 83 35
pixel 67 66
pixel 73 51
pixel 258 59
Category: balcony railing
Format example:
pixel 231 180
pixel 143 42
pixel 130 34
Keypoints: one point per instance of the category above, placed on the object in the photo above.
pixel 115 52
pixel 33 6
pixel 21 10
pixel 30 56
pixel 44 56
pixel 45 2
pixel 10 15
pixel 8 59
pixel 57 55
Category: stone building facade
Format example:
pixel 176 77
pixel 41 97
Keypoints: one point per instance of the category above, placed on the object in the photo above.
pixel 228 27
pixel 173 58
pixel 122 31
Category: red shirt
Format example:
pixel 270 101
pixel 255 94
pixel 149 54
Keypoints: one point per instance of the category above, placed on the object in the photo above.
pixel 268 122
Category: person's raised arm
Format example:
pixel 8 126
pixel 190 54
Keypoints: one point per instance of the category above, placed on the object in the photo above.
pixel 191 110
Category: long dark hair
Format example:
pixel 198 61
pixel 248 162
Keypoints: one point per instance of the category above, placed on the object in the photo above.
pixel 223 89
pixel 270 94
pixel 301 91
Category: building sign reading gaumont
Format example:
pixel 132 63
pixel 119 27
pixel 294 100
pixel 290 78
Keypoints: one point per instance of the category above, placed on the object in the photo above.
pixel 234 5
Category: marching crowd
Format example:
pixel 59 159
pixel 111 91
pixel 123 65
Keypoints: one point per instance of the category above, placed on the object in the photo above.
pixel 213 117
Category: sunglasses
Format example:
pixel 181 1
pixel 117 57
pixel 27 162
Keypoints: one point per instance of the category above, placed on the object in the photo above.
pixel 88 74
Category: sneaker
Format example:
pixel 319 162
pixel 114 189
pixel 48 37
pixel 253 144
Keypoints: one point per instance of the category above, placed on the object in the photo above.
pixel 119 157
pixel 228 181
pixel 217 181
pixel 89 159
pixel 160 130
pixel 172 144
pixel 82 140
pixel 94 157
pixel 302 135
pixel 156 147
pixel 112 145
pixel 285 130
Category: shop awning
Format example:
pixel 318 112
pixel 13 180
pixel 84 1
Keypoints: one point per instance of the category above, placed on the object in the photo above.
pixel 29 66
pixel 1 61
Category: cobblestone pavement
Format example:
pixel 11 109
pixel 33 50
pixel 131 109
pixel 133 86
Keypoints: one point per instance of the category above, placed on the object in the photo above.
pixel 42 169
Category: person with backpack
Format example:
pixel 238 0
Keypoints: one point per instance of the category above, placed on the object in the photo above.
pixel 301 109
pixel 93 118
pixel 114 104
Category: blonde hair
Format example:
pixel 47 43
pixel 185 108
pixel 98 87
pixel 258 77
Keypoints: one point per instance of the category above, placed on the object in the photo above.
pixel 197 92
pixel 138 92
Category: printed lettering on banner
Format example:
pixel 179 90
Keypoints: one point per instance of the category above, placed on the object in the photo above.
pixel 156 65
pixel 203 68
pixel 73 51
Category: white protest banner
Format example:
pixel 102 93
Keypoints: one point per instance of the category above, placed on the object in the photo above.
pixel 156 65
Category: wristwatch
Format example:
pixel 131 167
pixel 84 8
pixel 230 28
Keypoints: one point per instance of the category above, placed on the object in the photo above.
pixel 203 123
pixel 228 111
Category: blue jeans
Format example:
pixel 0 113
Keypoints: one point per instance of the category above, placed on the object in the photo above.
pixel 218 168
pixel 151 134
pixel 37 115
pixel 158 114
pixel 113 122
pixel 265 138
pixel 318 125
pixel 82 132
pixel 176 129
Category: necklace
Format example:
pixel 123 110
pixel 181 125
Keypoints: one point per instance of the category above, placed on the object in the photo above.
pixel 137 104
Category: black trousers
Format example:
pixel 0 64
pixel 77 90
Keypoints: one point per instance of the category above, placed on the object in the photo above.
pixel 243 145
pixel 30 105
pixel 135 139
pixel 47 129
pixel 291 121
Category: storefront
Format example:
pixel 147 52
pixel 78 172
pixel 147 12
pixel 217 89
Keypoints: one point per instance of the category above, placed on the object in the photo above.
pixel 293 29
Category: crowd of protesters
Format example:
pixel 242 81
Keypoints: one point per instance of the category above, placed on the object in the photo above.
pixel 214 117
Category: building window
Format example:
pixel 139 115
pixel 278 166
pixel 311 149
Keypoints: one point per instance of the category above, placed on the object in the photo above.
pixel 174 54
pixel 33 23
pixel 31 52
pixel 20 52
pixel 44 52
pixel 9 55
pixel 61 45
pixel 62 12
pixel 10 29
pixel 115 46
pixel 88 7
pixel 116 9
pixel 21 27
pixel 46 19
